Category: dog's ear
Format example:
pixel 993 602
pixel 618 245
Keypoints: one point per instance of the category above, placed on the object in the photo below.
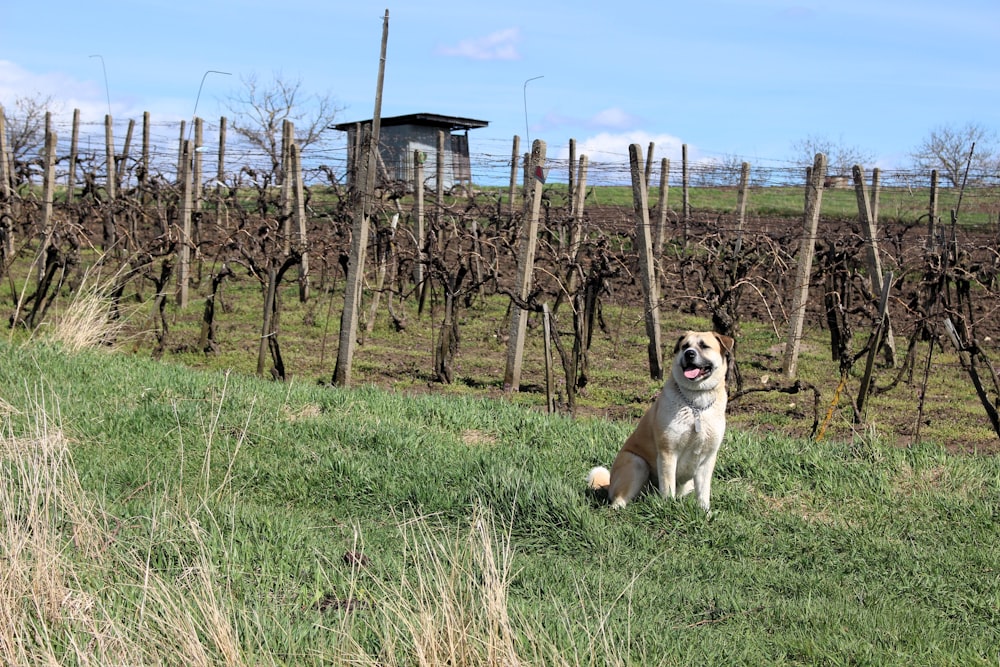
pixel 727 344
pixel 677 346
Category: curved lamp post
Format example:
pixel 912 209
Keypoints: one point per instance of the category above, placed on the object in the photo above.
pixel 194 114
pixel 107 90
pixel 527 135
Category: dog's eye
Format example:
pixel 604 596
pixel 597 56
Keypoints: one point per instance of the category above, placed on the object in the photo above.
pixel 703 345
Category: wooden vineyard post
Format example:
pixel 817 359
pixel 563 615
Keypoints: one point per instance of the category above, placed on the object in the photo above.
pixel 932 210
pixel 661 225
pixel 580 197
pixel 796 318
pixel 571 187
pixel 110 185
pixel 876 195
pixel 287 132
pixel 6 228
pixel 439 184
pixel 874 262
pixel 650 288
pixel 220 177
pixel 144 159
pixel 196 166
pixel 184 242
pixel 109 156
pixel 741 204
pixel 48 194
pixel 220 174
pixel 73 144
pixel 514 160
pixel 418 214
pixel 299 215
pixel 359 235
pixel 122 164
pixel 196 187
pixel 881 330
pixel 550 399
pixel 685 194
pixel 648 170
pixel 576 226
pixel 525 267
pixel 180 149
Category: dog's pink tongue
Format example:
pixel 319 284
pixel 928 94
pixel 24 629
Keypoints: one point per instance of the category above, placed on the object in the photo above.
pixel 692 373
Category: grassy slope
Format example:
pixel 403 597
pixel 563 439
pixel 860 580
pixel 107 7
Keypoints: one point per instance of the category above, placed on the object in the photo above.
pixel 816 553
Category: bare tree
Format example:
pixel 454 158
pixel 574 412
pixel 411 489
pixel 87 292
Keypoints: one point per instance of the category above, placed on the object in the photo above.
pixel 26 130
pixel 947 149
pixel 259 111
pixel 839 156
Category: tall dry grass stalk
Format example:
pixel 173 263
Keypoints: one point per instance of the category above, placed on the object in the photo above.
pixel 78 587
pixel 452 607
pixel 90 319
pixel 72 593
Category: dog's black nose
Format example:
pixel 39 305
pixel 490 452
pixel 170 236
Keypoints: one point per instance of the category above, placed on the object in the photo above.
pixel 690 353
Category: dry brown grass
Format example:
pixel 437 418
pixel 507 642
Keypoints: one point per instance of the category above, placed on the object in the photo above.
pixel 71 594
pixel 78 587
pixel 89 320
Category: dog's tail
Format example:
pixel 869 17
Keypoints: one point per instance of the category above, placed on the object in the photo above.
pixel 598 478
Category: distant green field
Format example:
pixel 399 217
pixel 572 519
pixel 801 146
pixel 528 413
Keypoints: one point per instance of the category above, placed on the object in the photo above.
pixel 979 206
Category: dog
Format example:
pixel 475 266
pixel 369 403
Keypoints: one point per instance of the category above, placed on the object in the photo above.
pixel 677 440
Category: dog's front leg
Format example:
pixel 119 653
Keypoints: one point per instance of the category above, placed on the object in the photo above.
pixel 703 481
pixel 666 474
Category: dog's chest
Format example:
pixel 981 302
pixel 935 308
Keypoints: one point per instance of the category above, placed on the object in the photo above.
pixel 690 428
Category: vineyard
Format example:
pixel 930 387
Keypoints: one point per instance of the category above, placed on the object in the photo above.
pixel 181 246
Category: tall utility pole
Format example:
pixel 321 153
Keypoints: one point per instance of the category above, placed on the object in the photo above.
pixel 359 235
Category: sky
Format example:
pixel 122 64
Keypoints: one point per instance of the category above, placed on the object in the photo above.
pixel 750 79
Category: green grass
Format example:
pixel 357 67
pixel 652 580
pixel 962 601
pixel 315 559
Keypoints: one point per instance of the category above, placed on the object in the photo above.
pixel 619 383
pixel 152 513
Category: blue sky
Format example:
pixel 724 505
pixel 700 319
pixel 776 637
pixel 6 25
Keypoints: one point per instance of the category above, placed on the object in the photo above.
pixel 745 79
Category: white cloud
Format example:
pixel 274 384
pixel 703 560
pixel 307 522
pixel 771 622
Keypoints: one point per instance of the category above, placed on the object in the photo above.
pixel 614 118
pixel 608 146
pixel 500 45
pixel 63 92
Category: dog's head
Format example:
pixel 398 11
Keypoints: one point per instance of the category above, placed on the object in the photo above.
pixel 701 360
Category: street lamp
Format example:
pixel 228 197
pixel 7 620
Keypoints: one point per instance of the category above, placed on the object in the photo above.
pixel 194 114
pixel 107 91
pixel 527 135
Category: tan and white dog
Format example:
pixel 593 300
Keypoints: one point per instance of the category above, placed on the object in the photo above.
pixel 678 438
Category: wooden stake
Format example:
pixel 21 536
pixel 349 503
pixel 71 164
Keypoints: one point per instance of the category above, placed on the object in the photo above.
pixel 550 399
pixel 807 246
pixel 874 342
pixel 5 190
pixel 514 161
pixel 73 145
pixel 359 236
pixel 418 214
pixel 661 226
pixel 299 215
pixel 650 287
pixel 525 268
pixel 867 220
pixel 184 240
pixel 685 194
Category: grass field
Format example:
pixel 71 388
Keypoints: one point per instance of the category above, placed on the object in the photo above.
pixel 154 514
pixel 976 207
pixel 187 512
